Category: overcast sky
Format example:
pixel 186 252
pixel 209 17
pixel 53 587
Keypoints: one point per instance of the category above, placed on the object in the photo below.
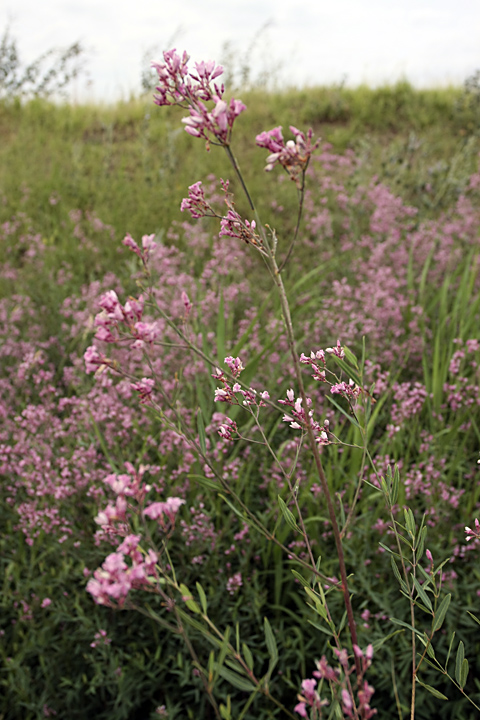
pixel 429 42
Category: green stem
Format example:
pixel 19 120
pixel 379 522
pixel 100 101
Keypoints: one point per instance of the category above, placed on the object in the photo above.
pixel 301 196
pixel 311 438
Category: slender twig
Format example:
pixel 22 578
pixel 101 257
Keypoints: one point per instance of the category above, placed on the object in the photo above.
pixel 311 438
pixel 301 196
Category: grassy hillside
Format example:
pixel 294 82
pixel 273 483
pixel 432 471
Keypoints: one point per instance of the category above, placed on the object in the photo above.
pixel 131 163
pixel 129 463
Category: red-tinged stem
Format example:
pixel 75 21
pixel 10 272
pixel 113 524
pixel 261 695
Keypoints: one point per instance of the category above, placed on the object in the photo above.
pixel 275 272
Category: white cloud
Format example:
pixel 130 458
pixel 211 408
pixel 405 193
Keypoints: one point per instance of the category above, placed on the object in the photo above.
pixel 315 41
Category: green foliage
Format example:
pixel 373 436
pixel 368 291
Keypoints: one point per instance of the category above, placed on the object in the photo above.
pixel 125 165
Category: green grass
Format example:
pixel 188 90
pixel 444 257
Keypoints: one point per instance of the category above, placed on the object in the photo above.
pixel 131 163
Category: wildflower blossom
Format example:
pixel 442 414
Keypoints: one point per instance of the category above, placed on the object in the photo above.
pixel 473 534
pixel 191 90
pixel 161 510
pixel 293 156
pixel 337 350
pixel 234 583
pixel 233 226
pixel 196 202
pixel 299 419
pixel 144 387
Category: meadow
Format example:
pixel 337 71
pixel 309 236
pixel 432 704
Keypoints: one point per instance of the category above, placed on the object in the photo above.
pixel 180 537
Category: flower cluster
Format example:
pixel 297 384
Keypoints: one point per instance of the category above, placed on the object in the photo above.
pixel 293 155
pixel 234 583
pixel 113 518
pixel 231 225
pixel 116 321
pixel 101 638
pixel 227 429
pixel 228 393
pixel 148 244
pixel 113 315
pixel 473 534
pixel 144 387
pixel 164 512
pixel 299 419
pixel 191 90
pixel 310 696
pixel 196 203
pixel 317 361
pixel 112 582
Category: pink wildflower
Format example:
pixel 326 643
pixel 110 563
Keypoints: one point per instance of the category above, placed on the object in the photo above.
pixel 144 387
pixel 473 534
pixel 168 509
pixel 191 90
pixel 234 583
pixel 196 202
pixel 293 156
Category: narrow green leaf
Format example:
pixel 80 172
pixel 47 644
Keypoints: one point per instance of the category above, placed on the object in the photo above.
pixel 318 607
pixel 204 482
pixel 428 645
pixel 421 542
pixel 224 648
pixel 395 484
pixel 270 640
pixel 201 432
pixel 320 628
pixel 225 713
pixel 409 522
pixel 299 577
pixel 237 681
pixel 439 615
pixel 237 636
pixel 378 643
pixel 211 662
pixel 343 622
pixel 311 593
pixel 435 693
pixel 271 647
pixel 187 598
pixel 232 507
pixel 288 515
pixel 450 648
pixel 203 597
pixel 389 550
pixel 198 626
pixel 396 572
pixel 422 594
pixel 409 627
pixel 385 489
pixel 473 617
pixel 340 409
pixel 350 357
pixel 459 662
pixel 463 673
pixel 248 656
pixel 202 401
pixel 349 371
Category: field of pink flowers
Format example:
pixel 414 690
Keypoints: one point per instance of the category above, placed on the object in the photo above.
pixel 166 496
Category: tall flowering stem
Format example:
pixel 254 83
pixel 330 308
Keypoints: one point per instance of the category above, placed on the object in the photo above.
pixel 179 86
pixel 294 156
pixel 277 278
